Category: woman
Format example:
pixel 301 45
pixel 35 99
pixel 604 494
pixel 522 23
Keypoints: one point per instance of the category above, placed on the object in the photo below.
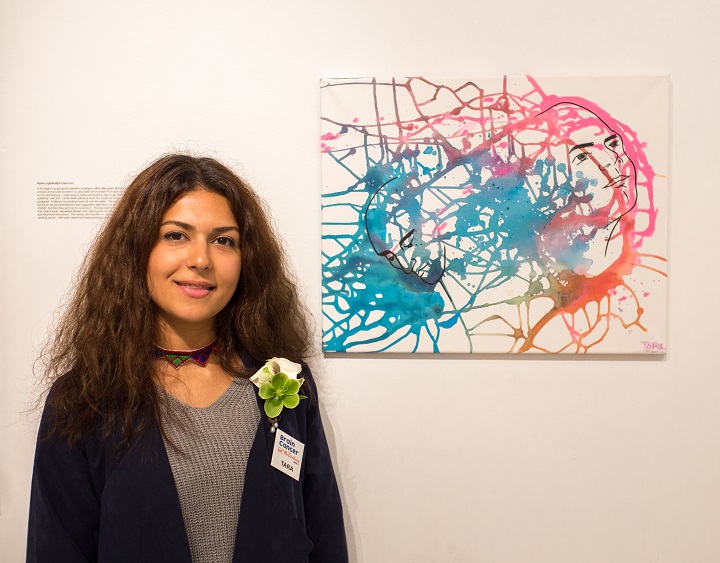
pixel 153 444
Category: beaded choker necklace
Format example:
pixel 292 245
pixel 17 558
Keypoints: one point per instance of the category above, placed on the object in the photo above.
pixel 179 357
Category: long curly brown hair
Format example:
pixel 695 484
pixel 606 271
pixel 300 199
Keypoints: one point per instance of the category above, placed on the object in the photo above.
pixel 99 360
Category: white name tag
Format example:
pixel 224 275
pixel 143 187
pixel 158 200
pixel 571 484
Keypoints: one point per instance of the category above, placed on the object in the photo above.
pixel 287 454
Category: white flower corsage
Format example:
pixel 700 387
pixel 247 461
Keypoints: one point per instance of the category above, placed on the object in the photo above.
pixel 278 384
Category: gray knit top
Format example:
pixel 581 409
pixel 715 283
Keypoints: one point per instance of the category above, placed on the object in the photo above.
pixel 209 465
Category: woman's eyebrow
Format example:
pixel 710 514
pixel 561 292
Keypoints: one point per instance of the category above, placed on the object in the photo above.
pixel 407 236
pixel 180 224
pixel 225 229
pixel 189 227
pixel 584 145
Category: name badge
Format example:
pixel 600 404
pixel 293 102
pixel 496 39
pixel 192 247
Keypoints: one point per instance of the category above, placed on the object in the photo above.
pixel 287 454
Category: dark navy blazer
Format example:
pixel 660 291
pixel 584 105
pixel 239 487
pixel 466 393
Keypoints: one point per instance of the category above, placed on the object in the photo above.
pixel 89 504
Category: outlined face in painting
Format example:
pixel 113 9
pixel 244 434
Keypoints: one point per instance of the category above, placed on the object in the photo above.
pixel 402 232
pixel 592 182
pixel 601 173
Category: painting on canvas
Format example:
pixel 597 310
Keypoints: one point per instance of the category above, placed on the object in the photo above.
pixel 500 215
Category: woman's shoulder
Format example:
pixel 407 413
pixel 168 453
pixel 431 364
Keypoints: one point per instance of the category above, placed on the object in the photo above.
pixel 60 394
pixel 69 416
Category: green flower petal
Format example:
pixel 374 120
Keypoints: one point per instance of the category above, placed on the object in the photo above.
pixel 266 390
pixel 292 387
pixel 278 380
pixel 273 407
pixel 291 401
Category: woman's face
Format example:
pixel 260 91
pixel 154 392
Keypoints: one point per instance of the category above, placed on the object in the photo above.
pixel 195 265
pixel 413 253
pixel 405 233
pixel 600 167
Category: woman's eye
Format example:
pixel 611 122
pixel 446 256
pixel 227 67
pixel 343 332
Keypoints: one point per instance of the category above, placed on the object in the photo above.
pixel 174 236
pixel 388 254
pixel 407 240
pixel 582 157
pixel 225 241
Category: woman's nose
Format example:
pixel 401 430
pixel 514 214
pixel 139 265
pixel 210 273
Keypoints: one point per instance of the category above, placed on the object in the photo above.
pixel 198 256
pixel 614 158
pixel 609 163
pixel 405 260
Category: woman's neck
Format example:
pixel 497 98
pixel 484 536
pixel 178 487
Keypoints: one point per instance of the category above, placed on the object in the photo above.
pixel 176 336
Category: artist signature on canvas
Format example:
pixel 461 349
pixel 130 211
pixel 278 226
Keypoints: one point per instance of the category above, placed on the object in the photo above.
pixel 649 346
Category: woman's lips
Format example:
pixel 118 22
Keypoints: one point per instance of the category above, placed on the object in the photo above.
pixel 195 290
pixel 617 182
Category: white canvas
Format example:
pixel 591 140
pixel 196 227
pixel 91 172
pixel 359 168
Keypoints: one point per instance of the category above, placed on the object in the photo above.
pixel 501 215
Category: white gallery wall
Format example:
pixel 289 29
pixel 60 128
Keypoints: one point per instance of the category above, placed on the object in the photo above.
pixel 462 459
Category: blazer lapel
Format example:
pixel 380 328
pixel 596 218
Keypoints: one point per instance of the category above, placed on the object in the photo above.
pixel 271 521
pixel 142 519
